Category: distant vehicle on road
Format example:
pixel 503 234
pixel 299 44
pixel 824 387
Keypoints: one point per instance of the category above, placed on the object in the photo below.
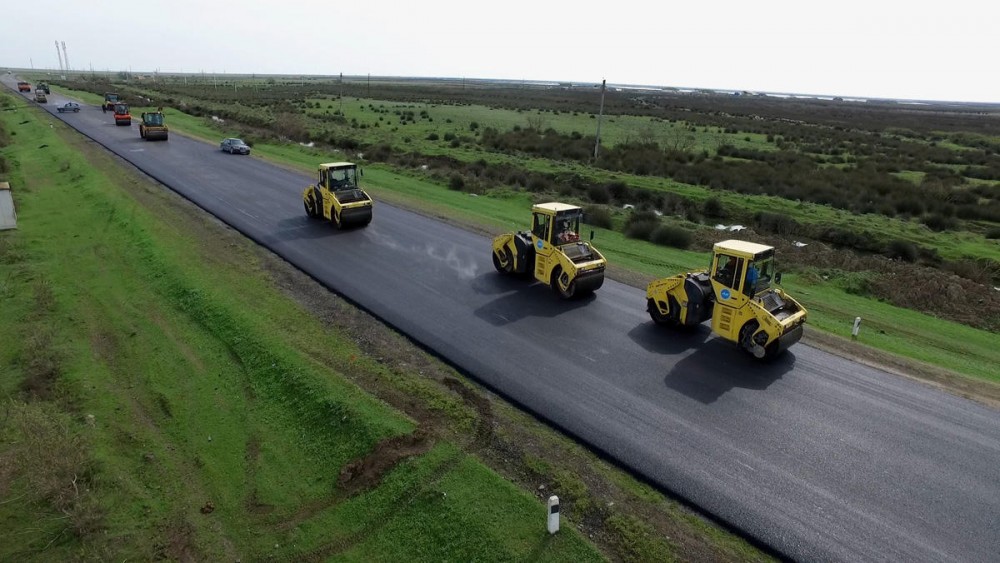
pixel 234 146
pixel 23 86
pixel 40 96
pixel 69 106
pixel 122 116
pixel 110 99
pixel 43 86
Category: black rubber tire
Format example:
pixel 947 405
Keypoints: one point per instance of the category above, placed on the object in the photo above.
pixel 569 291
pixel 745 333
pixel 658 317
pixel 336 220
pixel 310 206
pixel 503 263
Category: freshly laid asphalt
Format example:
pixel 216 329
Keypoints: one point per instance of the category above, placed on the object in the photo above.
pixel 814 456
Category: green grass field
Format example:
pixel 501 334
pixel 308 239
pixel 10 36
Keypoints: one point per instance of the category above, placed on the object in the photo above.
pixel 154 413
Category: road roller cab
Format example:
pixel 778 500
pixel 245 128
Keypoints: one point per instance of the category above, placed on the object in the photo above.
pixel 152 127
pixel 338 197
pixel 552 252
pixel 122 115
pixel 738 294
pixel 110 99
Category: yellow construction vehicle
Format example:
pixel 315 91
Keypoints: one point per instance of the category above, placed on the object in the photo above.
pixel 737 295
pixel 110 99
pixel 552 252
pixel 40 96
pixel 151 127
pixel 337 196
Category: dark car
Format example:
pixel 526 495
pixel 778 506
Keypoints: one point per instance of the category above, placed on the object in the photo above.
pixel 69 106
pixel 235 146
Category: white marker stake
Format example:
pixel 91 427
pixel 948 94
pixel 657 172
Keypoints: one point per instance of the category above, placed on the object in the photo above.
pixel 857 327
pixel 553 514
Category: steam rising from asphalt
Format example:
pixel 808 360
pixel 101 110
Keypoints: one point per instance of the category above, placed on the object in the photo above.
pixel 465 268
pixel 466 271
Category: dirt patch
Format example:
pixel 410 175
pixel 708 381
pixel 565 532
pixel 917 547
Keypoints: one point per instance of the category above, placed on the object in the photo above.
pixel 40 366
pixel 484 420
pixel 252 457
pixel 105 346
pixel 366 473
pixel 179 542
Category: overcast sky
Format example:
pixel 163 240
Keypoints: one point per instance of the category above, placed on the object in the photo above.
pixel 942 50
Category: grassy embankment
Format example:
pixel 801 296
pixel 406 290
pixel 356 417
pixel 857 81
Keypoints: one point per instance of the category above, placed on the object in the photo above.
pixel 160 414
pixel 921 337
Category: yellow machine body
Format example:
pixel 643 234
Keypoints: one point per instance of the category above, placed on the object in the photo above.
pixel 552 252
pixel 736 294
pixel 152 127
pixel 337 196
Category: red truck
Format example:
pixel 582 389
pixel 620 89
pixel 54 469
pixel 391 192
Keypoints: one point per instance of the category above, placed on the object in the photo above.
pixel 23 86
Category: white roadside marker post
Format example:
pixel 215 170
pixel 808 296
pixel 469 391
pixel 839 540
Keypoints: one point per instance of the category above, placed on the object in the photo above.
pixel 857 328
pixel 553 514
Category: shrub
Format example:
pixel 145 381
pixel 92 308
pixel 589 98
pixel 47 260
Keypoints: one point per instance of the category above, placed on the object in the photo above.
pixel 449 136
pixel 940 222
pixel 993 233
pixel 597 216
pixel 473 126
pixel 670 235
pixel 777 223
pixel 599 194
pixel 432 137
pixel 456 183
pixel 641 224
pixel 713 208
pixel 641 230
pixel 902 250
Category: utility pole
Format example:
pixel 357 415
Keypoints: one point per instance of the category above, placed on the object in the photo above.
pixel 65 55
pixel 59 54
pixel 31 62
pixel 600 115
pixel 341 93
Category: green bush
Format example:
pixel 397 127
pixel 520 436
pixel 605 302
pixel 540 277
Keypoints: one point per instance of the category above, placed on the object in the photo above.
pixel 993 233
pixel 670 235
pixel 713 208
pixel 641 230
pixel 597 216
pixel 641 224
pixel 433 137
pixel 939 222
pixel 599 194
pixel 456 183
pixel 902 250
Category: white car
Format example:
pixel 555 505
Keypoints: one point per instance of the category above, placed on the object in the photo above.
pixel 69 106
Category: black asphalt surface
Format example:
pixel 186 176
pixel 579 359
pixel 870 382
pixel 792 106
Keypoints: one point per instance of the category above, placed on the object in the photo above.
pixel 817 457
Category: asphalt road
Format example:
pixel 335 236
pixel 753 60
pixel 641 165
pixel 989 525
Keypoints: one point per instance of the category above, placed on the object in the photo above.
pixel 815 456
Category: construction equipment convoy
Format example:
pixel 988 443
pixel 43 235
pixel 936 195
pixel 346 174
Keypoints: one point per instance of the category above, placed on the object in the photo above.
pixel 552 252
pixel 737 295
pixel 337 197
pixel 122 116
pixel 110 99
pixel 151 127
